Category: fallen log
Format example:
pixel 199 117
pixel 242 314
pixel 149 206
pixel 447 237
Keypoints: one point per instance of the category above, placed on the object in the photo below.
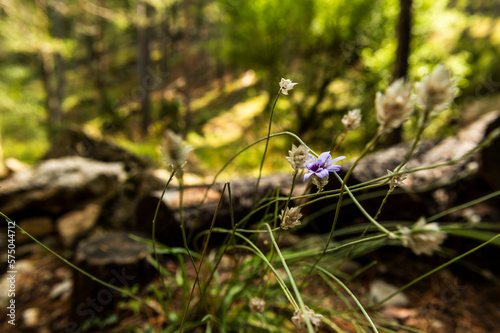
pixel 426 192
pixel 199 206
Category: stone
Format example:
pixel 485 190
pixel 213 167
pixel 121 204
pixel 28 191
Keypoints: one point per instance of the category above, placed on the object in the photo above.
pixel 13 165
pixel 61 289
pixel 380 289
pixel 56 186
pixel 78 223
pixel 31 317
pixel 37 227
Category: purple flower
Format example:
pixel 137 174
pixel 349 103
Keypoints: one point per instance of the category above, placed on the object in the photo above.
pixel 322 166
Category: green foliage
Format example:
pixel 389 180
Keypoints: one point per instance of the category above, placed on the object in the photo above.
pixel 99 323
pixel 257 33
pixel 341 53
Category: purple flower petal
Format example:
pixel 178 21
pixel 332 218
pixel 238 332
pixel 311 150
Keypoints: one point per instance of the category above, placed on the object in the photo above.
pixel 322 166
pixel 333 168
pixel 324 157
pixel 307 175
pixel 336 159
pixel 322 174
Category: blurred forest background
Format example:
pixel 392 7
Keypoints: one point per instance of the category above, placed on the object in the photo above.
pixel 209 69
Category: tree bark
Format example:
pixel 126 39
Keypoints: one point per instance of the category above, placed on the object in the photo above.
pixel 115 259
pixel 59 63
pixel 52 100
pixel 404 39
pixel 198 217
pixel 101 62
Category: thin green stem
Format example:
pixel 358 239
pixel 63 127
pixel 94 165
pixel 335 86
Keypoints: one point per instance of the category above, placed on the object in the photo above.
pixel 291 189
pixel 421 128
pixel 227 242
pixel 183 222
pixel 342 138
pixel 293 135
pixel 257 251
pixel 153 232
pixel 120 290
pixel 265 149
pixel 292 281
pixel 184 238
pixel 465 205
pixel 271 254
pixel 367 227
pixel 361 208
pixel 485 142
pixel 201 261
pixel 367 148
pixel 350 293
pixel 343 182
pixel 359 241
pixel 383 203
pixel 434 271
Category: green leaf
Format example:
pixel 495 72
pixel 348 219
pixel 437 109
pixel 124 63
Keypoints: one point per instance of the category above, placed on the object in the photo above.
pixel 479 235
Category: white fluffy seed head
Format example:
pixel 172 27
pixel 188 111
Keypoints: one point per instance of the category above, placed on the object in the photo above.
pixel 352 119
pixel 436 90
pixel 424 238
pixel 394 106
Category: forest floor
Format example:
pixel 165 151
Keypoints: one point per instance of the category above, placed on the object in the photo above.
pixel 452 300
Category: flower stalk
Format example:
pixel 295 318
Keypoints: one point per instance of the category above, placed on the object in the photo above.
pixel 285 85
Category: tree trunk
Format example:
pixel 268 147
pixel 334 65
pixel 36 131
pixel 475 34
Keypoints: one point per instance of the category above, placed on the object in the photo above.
pixel 52 99
pixel 187 63
pixel 164 44
pixel 312 117
pixel 100 58
pixel 143 62
pixel 402 54
pixel 51 102
pixel 59 64
pixel 115 259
